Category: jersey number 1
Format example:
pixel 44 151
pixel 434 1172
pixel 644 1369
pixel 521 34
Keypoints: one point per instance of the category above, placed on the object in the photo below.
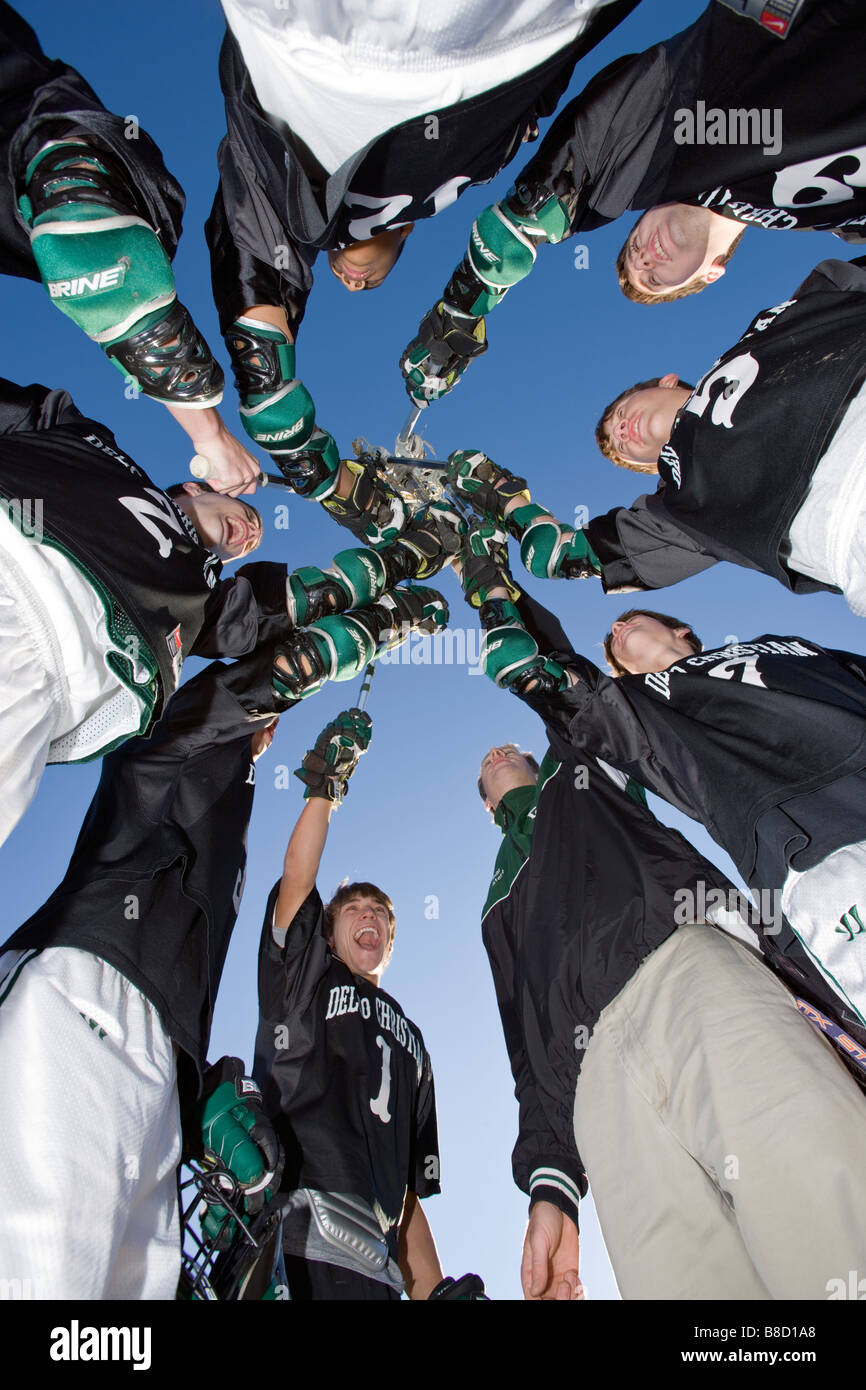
pixel 379 1106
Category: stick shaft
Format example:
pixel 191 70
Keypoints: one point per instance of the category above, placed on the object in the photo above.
pixel 366 682
pixel 410 422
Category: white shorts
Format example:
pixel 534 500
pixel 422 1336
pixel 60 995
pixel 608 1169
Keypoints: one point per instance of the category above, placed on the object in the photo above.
pixel 826 906
pixel 59 699
pixel 89 1133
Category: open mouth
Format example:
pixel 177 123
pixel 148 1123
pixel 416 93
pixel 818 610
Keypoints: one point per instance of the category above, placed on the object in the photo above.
pixel 366 936
pixel 351 272
pixel 242 534
pixel 657 249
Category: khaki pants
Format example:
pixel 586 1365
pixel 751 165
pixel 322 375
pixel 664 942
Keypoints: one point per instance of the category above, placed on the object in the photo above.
pixel 724 1142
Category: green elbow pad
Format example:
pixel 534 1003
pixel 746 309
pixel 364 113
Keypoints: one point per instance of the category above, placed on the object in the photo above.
pixel 282 421
pixel 550 550
pixel 344 644
pixel 507 653
pixel 362 573
pixel 106 274
pixel 500 253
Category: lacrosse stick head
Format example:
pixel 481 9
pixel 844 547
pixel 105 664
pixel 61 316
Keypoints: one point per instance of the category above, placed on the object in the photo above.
pixel 251 1267
pixel 416 485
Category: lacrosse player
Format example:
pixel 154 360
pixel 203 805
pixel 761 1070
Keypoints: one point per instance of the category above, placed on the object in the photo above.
pixel 345 128
pixel 763 742
pixel 344 1073
pixel 652 1052
pixel 147 907
pixel 108 584
pixel 625 143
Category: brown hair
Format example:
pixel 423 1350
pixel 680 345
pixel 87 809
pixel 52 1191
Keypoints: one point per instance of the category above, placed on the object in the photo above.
pixel 346 892
pixel 665 618
pixel 602 439
pixel 691 287
pixel 528 756
pixel 176 490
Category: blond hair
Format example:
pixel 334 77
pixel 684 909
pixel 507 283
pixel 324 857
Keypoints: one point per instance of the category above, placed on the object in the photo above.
pixel 693 286
pixel 602 438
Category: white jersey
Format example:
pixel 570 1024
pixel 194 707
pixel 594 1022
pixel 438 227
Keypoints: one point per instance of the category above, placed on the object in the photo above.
pixel 102 707
pixel 827 534
pixel 339 75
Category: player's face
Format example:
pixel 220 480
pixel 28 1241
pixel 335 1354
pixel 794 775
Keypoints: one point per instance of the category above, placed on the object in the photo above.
pixel 361 937
pixel 226 525
pixel 503 769
pixel 643 644
pixel 365 264
pixel 641 423
pixel 670 246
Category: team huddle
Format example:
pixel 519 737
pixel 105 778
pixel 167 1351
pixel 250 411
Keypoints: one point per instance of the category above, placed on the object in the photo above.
pixel 657 1021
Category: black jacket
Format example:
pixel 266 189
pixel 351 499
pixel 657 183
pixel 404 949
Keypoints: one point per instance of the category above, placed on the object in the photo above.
pixel 587 884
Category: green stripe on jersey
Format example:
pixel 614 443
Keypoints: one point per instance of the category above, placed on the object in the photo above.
pixel 515 816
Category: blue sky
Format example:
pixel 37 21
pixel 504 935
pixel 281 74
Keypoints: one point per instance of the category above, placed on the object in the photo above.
pixel 562 345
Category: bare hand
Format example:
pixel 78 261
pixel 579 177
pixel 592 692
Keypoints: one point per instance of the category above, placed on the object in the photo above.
pixel 232 469
pixel 551 1256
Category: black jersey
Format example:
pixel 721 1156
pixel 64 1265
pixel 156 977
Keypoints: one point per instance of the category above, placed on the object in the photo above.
pixel 277 208
pixel 160 584
pixel 725 493
pixel 155 880
pixel 732 735
pixel 763 742
pixel 626 141
pixel 344 1074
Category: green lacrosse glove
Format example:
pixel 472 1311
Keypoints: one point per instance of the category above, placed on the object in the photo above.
pixel 469 1288
pixel 237 1133
pixel 505 237
pixel 480 482
pixel 338 646
pixel 484 562
pixel 446 342
pixel 372 511
pixel 431 540
pixel 327 767
pixel 501 252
